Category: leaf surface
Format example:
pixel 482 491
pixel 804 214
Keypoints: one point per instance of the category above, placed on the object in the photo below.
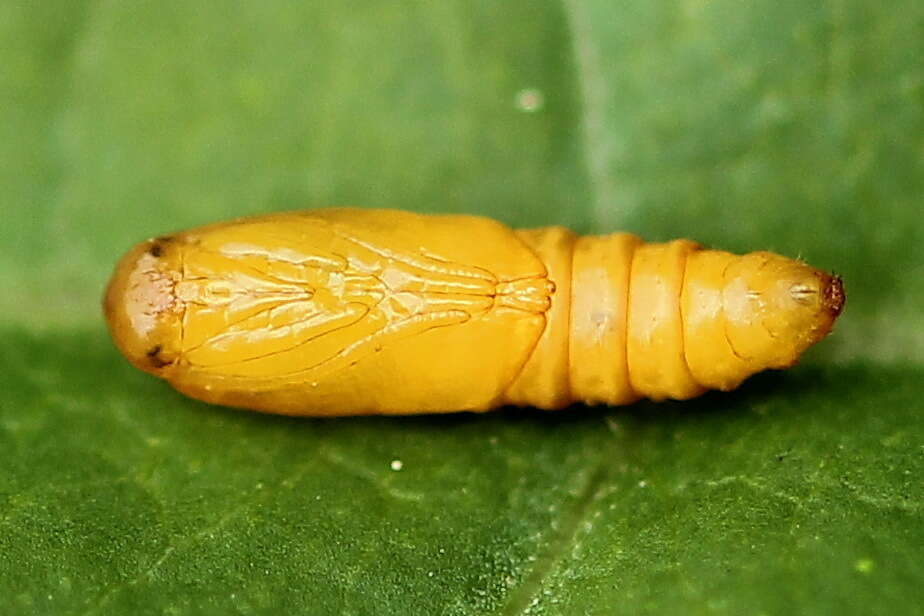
pixel 794 127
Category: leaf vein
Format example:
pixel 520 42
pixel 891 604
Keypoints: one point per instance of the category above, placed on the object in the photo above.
pixel 565 541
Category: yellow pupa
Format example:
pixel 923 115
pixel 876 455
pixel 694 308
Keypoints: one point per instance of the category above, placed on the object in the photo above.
pixel 351 311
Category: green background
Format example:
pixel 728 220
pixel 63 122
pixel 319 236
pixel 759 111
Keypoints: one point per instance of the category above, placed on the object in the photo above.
pixel 791 126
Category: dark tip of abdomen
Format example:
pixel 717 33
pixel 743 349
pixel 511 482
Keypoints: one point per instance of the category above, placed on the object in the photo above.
pixel 833 296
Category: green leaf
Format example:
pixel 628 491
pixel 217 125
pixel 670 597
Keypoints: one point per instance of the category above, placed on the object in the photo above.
pixel 795 127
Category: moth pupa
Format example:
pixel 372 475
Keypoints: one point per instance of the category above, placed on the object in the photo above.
pixel 350 311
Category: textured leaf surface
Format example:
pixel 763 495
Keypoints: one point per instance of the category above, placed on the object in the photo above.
pixel 796 127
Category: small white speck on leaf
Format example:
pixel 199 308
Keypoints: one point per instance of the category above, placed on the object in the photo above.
pixel 643 484
pixel 397 465
pixel 529 100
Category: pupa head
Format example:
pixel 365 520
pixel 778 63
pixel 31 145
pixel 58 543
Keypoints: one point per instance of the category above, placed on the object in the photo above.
pixel 141 308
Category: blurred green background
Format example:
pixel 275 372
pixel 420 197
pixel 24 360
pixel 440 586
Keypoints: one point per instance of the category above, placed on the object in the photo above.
pixel 791 126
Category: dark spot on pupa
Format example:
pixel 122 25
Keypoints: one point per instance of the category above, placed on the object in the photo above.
pixel 153 354
pixel 157 246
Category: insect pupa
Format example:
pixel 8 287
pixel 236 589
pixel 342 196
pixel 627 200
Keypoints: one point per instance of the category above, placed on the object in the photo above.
pixel 352 311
